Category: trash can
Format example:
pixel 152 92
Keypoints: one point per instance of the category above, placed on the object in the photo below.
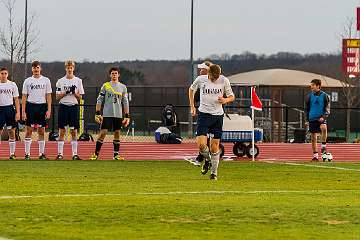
pixel 299 135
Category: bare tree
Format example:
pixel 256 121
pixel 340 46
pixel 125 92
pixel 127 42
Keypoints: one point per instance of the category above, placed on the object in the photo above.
pixel 12 43
pixel 350 84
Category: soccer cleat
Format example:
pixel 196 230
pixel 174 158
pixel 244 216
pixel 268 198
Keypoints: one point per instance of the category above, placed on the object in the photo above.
pixel 199 158
pixel 94 157
pixel 329 157
pixel 12 157
pixel 324 156
pixel 43 157
pixel 59 157
pixel 315 159
pixel 27 157
pixel 205 167
pixel 118 157
pixel 213 177
pixel 76 157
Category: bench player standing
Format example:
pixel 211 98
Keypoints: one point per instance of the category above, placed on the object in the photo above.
pixel 36 108
pixel 9 94
pixel 68 91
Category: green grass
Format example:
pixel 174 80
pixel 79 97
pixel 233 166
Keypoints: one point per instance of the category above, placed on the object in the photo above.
pixel 249 201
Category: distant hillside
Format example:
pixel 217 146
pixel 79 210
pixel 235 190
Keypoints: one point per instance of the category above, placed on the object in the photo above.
pixel 171 73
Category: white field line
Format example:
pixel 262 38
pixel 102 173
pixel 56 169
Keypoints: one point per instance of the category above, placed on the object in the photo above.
pixel 2 238
pixel 314 191
pixel 315 166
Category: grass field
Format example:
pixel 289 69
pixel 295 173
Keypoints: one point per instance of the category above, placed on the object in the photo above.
pixel 172 200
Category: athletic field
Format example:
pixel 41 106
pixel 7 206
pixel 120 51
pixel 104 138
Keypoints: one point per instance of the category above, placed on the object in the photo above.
pixel 172 200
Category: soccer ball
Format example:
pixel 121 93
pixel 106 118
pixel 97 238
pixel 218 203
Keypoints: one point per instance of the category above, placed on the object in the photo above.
pixel 329 157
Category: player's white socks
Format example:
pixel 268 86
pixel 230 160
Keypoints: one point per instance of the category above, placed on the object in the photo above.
pixel 41 147
pixel 12 146
pixel 27 146
pixel 215 159
pixel 60 148
pixel 206 153
pixel 74 147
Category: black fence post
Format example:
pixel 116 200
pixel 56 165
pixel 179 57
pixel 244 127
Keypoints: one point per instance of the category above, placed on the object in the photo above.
pixel 286 124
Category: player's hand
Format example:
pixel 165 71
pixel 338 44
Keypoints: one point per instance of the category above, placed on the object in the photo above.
pixel 98 119
pixel 48 114
pixel 77 95
pixel 193 111
pixel 222 100
pixel 17 117
pixel 321 120
pixel 126 122
pixel 24 116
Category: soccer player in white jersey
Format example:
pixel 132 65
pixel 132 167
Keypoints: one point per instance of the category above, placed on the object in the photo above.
pixel 203 69
pixel 68 91
pixel 36 108
pixel 9 94
pixel 212 87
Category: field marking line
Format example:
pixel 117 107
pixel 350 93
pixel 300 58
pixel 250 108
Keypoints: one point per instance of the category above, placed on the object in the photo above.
pixel 314 191
pixel 313 166
pixel 2 238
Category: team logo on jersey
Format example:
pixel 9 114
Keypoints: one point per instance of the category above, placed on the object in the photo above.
pixel 37 86
pixel 6 91
pixel 216 91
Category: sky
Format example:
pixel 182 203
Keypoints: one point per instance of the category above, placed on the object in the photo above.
pixel 116 30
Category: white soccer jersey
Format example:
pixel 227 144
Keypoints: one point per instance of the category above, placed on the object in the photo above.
pixel 210 92
pixel 36 89
pixel 8 91
pixel 64 85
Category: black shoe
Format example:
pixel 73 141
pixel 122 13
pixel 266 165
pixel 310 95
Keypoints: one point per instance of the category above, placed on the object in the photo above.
pixel 76 157
pixel 12 157
pixel 59 157
pixel 213 177
pixel 199 158
pixel 27 157
pixel 315 159
pixel 205 167
pixel 43 157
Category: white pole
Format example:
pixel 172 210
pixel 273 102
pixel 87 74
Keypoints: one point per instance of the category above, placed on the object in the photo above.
pixel 253 134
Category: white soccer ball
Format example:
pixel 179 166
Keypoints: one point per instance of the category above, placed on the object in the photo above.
pixel 329 157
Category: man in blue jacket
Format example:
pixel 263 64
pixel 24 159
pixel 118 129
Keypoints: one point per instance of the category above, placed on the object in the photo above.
pixel 317 109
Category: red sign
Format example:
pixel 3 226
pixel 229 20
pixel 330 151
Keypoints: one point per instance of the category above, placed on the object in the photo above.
pixel 351 57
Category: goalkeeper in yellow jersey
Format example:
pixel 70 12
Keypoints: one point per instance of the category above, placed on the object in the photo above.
pixel 113 95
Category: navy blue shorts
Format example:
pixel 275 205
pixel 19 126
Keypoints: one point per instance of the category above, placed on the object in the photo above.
pixel 314 126
pixel 112 123
pixel 7 117
pixel 35 114
pixel 209 124
pixel 68 116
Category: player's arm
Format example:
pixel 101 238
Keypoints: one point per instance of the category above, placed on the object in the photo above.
pixel 326 106
pixel 126 108
pixel 17 102
pixel 59 94
pixel 17 108
pixel 99 102
pixel 23 106
pixel 307 106
pixel 48 101
pixel 192 90
pixel 230 97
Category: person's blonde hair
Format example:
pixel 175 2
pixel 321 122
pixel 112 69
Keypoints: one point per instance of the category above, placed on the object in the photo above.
pixel 214 72
pixel 69 63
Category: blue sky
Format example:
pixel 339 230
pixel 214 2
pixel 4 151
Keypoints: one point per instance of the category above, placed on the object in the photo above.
pixel 112 30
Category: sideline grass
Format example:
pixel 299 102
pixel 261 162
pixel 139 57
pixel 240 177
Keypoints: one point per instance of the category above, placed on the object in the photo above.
pixel 251 201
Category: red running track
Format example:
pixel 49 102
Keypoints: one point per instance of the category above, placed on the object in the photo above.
pixel 154 151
